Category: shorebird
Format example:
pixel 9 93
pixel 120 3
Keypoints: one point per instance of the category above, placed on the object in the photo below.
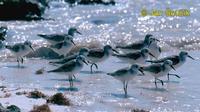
pixel 20 50
pixel 158 70
pixel 99 55
pixel 82 51
pixel 70 68
pixel 57 38
pixel 136 46
pixel 177 60
pixel 154 48
pixel 138 57
pixel 64 47
pixel 126 74
pixel 3 31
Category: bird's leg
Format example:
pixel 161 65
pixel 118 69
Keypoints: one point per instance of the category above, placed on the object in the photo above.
pixel 161 81
pixel 18 62
pixel 168 76
pixel 74 76
pixel 92 66
pixel 22 60
pixel 126 88
pixel 155 83
pixel 70 82
pixel 175 75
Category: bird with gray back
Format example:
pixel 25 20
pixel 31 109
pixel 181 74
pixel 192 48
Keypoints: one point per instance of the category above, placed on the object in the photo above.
pixel 71 68
pixel 20 50
pixel 57 38
pixel 178 60
pixel 126 74
pixel 64 47
pixel 136 46
pixel 138 57
pixel 99 55
pixel 154 49
pixel 158 70
pixel 82 51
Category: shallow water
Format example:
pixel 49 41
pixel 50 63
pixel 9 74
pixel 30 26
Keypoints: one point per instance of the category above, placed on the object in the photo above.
pixel 99 92
pixel 115 24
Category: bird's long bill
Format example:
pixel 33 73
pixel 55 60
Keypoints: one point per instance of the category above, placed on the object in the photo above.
pixel 191 57
pixel 173 67
pixel 78 32
pixel 115 51
pixel 141 71
pixel 32 48
pixel 149 43
pixel 73 42
pixel 157 40
pixel 85 62
pixel 152 55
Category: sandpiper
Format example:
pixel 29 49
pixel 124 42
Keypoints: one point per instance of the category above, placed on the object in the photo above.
pixel 57 38
pixel 64 47
pixel 154 48
pixel 3 31
pixel 99 55
pixel 126 74
pixel 70 68
pixel 82 51
pixel 177 60
pixel 138 57
pixel 158 70
pixel 20 50
pixel 136 46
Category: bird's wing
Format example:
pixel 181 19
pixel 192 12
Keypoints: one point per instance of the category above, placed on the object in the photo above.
pixel 119 72
pixel 96 53
pixel 57 46
pixel 134 55
pixel 67 67
pixel 137 46
pixel 154 68
pixel 53 37
pixel 173 58
pixel 15 47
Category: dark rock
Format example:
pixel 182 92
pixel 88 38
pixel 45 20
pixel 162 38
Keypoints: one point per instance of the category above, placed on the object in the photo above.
pixel 90 2
pixel 36 94
pixel 59 99
pixel 41 108
pixel 21 9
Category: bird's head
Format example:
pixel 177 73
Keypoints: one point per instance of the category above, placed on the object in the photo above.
pixel 81 59
pixel 109 49
pixel 168 64
pixel 28 44
pixel 183 55
pixel 84 51
pixel 73 30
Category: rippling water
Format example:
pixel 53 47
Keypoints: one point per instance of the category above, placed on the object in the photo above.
pixel 115 24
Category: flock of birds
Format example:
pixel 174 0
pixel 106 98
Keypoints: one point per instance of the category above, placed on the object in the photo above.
pixel 137 54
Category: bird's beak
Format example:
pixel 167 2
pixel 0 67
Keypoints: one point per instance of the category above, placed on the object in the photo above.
pixel 152 55
pixel 141 71
pixel 85 62
pixel 78 32
pixel 73 42
pixel 150 43
pixel 157 40
pixel 115 51
pixel 173 67
pixel 191 57
pixel 32 48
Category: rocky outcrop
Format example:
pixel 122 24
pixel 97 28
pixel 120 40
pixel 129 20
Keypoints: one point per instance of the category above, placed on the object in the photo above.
pixel 22 9
pixel 91 2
